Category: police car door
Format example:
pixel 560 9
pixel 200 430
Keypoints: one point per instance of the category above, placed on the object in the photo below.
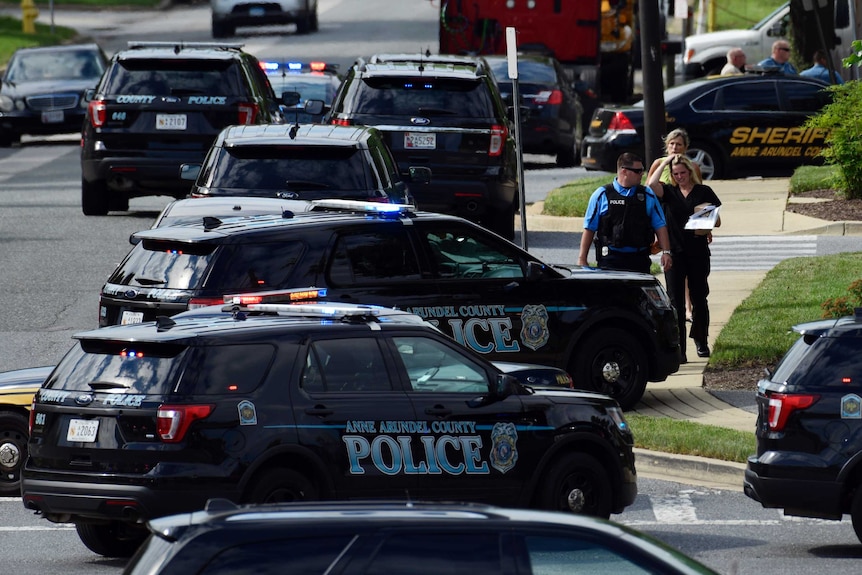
pixel 345 395
pixel 465 445
pixel 485 301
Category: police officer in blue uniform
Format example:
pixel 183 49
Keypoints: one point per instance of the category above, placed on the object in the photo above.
pixel 623 218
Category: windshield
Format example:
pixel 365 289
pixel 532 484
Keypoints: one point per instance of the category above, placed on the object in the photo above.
pixel 57 65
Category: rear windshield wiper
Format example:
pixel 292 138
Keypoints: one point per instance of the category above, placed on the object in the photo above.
pixel 149 281
pixel 440 111
pixel 107 385
pixel 305 185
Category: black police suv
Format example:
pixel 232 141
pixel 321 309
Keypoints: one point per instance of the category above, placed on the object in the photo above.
pixel 552 117
pixel 301 162
pixel 416 537
pixel 277 403
pixel 444 113
pixel 612 331
pixel 809 426
pixel 160 105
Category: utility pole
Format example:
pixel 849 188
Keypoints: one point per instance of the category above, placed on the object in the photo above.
pixel 653 85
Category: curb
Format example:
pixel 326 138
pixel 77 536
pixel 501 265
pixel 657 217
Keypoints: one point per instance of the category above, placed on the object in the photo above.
pixel 710 472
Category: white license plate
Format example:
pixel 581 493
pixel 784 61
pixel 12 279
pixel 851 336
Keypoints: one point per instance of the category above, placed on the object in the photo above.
pixel 420 141
pixel 131 317
pixel 83 430
pixel 171 121
pixel 52 116
pixel 256 11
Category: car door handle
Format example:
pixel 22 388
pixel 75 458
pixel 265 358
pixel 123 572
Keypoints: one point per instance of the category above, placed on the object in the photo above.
pixel 320 410
pixel 437 410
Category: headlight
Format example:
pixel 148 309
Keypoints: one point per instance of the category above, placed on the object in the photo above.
pixel 619 419
pixel 20 105
pixel 6 104
pixel 657 296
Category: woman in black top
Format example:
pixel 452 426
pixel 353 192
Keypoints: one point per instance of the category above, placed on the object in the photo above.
pixel 690 248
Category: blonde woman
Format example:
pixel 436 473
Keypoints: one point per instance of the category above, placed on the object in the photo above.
pixel 689 250
pixel 676 142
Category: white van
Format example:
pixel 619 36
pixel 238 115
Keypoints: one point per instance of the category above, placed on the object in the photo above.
pixel 706 54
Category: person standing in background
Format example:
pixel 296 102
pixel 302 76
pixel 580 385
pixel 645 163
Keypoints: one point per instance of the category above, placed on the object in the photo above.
pixel 690 249
pixel 821 71
pixel 780 58
pixel 735 63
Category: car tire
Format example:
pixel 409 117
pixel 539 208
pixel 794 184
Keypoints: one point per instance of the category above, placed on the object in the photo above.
pixel 570 156
pixel 501 222
pixel 94 197
pixel 577 483
pixel 13 451
pixel 114 539
pixel 304 24
pixel 856 512
pixel 314 25
pixel 118 203
pixel 8 139
pixel 282 485
pixel 707 159
pixel 613 362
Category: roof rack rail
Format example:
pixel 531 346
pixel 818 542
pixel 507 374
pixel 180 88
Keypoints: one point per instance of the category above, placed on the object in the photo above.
pixel 177 46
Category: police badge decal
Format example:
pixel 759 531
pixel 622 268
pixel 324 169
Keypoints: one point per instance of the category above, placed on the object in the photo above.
pixel 534 326
pixel 504 446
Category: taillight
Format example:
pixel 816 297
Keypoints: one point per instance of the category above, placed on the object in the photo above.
pixel 97 111
pixel 498 139
pixel 197 302
pixel 549 97
pixel 620 122
pixel 247 113
pixel 32 415
pixel 342 122
pixel 781 405
pixel 174 420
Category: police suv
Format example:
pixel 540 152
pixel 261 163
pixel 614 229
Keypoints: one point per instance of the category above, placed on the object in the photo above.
pixel 613 331
pixel 160 105
pixel 275 403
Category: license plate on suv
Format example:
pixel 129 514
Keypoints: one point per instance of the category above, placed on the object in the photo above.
pixel 83 430
pixel 171 121
pixel 414 141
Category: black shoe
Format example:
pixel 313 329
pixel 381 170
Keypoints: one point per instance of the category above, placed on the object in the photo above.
pixel 683 359
pixel 702 349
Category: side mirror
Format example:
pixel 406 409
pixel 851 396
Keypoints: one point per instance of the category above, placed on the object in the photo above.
pixel 290 98
pixel 89 94
pixel 419 175
pixel 190 172
pixel 315 107
pixel 505 386
pixel 535 271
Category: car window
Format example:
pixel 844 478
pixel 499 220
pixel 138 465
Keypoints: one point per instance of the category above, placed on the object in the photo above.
pixel 434 367
pixel 749 96
pixel 141 368
pixel 378 257
pixel 167 265
pixel 345 365
pixel 549 555
pixel 275 556
pixel 431 97
pixel 55 65
pixel 233 369
pixel 175 78
pixel 804 97
pixel 459 254
pixel 249 267
pixel 830 362
pixel 433 553
pixel 289 168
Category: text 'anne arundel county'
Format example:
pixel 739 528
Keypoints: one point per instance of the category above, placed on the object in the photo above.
pixel 778 142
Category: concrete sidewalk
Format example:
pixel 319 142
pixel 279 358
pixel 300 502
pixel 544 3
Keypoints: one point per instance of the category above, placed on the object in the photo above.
pixel 749 207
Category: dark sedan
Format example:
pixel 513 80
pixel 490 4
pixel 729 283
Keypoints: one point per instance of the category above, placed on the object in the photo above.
pixel 553 123
pixel 739 125
pixel 42 91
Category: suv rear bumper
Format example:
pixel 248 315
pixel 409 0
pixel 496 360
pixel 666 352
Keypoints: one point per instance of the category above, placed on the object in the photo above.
pixel 465 197
pixel 67 500
pixel 783 488
pixel 140 176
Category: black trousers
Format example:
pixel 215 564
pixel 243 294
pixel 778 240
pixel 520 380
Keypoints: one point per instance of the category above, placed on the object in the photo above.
pixel 626 261
pixel 693 267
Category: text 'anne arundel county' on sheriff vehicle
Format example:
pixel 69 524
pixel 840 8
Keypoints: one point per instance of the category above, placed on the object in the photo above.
pixel 778 142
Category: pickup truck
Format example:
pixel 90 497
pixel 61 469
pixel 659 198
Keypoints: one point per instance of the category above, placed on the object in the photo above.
pixel 706 54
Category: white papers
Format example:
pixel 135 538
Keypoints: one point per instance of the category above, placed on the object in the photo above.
pixel 704 218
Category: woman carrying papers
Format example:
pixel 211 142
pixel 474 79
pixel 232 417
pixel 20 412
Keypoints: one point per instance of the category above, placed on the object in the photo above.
pixel 690 247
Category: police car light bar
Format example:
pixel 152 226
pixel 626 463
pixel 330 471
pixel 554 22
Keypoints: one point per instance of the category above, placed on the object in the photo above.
pixel 362 206
pixel 281 296
pixel 181 45
pixel 333 309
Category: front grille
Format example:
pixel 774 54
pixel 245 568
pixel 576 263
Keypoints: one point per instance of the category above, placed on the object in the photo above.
pixel 53 102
